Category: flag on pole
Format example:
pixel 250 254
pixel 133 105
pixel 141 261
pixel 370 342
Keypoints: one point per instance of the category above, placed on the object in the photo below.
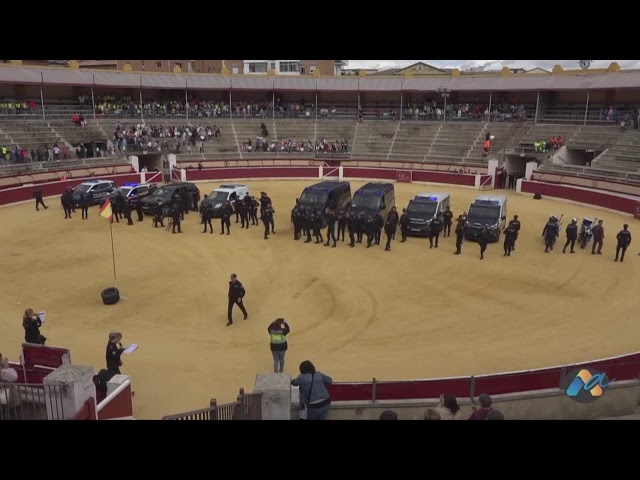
pixel 105 210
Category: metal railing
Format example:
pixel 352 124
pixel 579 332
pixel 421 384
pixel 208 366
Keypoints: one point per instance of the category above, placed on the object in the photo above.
pixel 60 165
pixel 31 402
pixel 248 406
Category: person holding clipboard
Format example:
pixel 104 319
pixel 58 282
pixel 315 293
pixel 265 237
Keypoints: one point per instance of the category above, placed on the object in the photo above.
pixel 114 352
pixel 31 324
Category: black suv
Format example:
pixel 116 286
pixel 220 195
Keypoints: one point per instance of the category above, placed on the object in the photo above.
pixel 163 195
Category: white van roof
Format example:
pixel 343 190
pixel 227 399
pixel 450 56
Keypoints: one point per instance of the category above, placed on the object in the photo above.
pixel 231 188
pixel 490 200
pixel 433 197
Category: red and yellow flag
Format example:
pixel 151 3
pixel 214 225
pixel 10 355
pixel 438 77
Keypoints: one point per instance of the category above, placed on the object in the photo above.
pixel 105 210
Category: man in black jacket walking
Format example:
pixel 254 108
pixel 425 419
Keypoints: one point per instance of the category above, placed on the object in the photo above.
pixel 37 194
pixel 624 239
pixel 278 332
pixel 236 294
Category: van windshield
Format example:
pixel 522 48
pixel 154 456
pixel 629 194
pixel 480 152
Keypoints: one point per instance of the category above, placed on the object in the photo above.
pixel 309 197
pixel 216 196
pixel 366 202
pixel 423 208
pixel 484 213
pixel 163 192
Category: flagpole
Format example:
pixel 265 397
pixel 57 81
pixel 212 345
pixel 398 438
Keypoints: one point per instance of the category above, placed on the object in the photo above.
pixel 113 254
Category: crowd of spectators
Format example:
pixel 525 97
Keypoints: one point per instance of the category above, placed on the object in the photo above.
pixel 52 153
pixel 431 110
pixel 543 146
pixel 448 409
pixel 292 146
pixel 18 107
pixel 156 137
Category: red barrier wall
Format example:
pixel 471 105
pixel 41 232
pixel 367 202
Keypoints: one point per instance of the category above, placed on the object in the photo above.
pixel 418 175
pixel 119 406
pixel 20 194
pixel 592 183
pixel 591 197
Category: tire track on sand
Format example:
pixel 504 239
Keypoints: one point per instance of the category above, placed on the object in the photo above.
pixel 373 315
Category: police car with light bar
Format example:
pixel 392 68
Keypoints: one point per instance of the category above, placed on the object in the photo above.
pixel 133 191
pixel 424 208
pixel 486 212
pixel 94 190
pixel 231 193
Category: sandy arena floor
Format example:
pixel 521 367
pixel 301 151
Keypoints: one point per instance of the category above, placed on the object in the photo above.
pixel 356 313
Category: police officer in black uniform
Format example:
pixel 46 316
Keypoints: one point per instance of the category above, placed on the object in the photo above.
pixel 460 227
pixel 37 194
pixel 483 240
pixel 510 235
pixel 236 294
pixel 203 204
pixel 185 202
pixel 225 217
pixel 550 232
pixel 624 240
pixel 158 217
pixel 395 218
pixel 370 229
pixel 342 223
pixel 317 226
pixel 207 215
pixel 378 223
pixel 267 215
pixel 515 224
pixel 447 220
pixel 572 235
pixel 351 227
pixel 127 212
pixel 264 201
pixel 254 211
pixel 598 236
pixel 307 219
pixel 120 201
pixel 84 205
pixel 360 226
pixel 331 226
pixel 295 219
pixel 434 230
pixel 66 200
pixel 242 211
pixel 176 212
pixel 139 209
pixel 390 230
pixel 404 225
pixel 195 196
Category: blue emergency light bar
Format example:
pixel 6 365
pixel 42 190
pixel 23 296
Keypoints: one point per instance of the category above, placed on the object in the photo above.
pixel 129 184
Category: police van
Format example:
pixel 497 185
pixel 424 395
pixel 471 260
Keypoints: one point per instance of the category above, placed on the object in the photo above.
pixel 163 196
pixel 486 212
pixel 226 193
pixel 94 190
pixel 424 208
pixel 373 198
pixel 319 196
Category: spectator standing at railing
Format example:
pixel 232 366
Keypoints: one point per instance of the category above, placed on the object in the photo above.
pixel 315 401
pixel 8 376
pixel 484 410
pixel 448 408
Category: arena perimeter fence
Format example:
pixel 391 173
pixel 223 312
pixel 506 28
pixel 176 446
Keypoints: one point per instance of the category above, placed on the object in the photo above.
pixel 248 406
pixel 624 367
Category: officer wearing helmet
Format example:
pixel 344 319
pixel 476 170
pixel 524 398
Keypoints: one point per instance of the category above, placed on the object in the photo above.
pixel 550 233
pixel 572 235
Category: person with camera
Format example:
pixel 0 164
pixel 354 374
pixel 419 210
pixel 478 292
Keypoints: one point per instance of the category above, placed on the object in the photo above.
pixel 31 324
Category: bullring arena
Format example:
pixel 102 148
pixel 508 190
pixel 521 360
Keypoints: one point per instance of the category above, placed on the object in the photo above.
pixel 357 313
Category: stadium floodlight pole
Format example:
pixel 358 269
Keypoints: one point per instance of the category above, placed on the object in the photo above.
pixel 401 87
pixel 273 100
pixel 490 99
pixel 186 98
pixel 141 105
pixel 535 118
pixel 93 98
pixel 445 92
pixel 315 129
pixel 358 115
pixel 230 109
pixel 586 109
pixel 42 95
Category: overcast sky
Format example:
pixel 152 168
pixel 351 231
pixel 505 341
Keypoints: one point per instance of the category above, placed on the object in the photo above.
pixel 489 64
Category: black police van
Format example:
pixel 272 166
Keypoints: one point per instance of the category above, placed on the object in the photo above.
pixel 374 198
pixel 486 212
pixel 164 194
pixel 336 195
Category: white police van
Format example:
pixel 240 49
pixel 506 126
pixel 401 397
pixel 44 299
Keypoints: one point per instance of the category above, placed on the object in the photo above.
pixel 487 212
pixel 424 208
pixel 226 193
pixel 94 190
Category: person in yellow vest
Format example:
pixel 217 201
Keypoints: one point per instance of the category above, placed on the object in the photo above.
pixel 278 332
